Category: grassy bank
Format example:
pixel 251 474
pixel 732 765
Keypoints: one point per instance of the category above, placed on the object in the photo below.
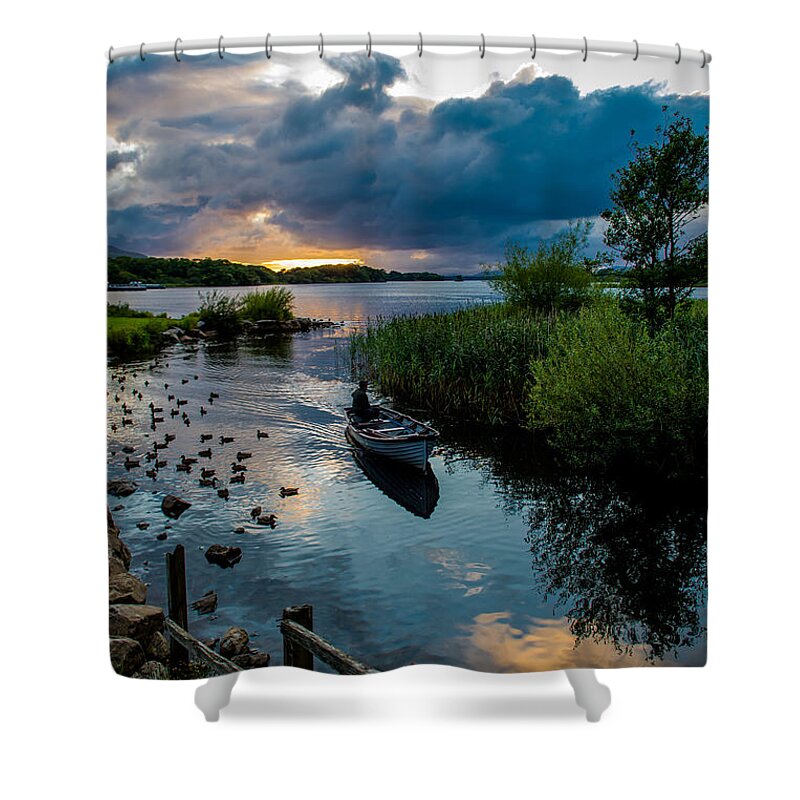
pixel 598 383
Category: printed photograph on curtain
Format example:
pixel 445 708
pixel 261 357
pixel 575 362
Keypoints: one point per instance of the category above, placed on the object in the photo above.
pixel 407 362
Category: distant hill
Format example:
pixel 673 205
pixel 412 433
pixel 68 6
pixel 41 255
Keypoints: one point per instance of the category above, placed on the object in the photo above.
pixel 222 272
pixel 117 251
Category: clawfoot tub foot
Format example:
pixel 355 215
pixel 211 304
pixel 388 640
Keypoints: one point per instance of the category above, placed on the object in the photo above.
pixel 214 695
pixel 591 695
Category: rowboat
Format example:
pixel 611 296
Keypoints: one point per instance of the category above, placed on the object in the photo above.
pixel 393 435
pixel 415 491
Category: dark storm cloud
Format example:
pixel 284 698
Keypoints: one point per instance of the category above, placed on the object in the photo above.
pixel 354 167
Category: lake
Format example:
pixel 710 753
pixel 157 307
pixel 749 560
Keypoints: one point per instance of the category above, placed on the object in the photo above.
pixel 495 561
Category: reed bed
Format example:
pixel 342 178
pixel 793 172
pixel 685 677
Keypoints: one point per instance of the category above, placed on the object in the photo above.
pixel 472 364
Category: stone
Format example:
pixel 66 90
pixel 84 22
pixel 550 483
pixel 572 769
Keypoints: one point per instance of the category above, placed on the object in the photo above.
pixel 234 642
pixel 173 506
pixel 118 553
pixel 120 487
pixel 206 604
pixel 124 588
pixel 223 556
pixel 127 656
pixel 135 621
pixel 156 647
pixel 152 671
pixel 252 660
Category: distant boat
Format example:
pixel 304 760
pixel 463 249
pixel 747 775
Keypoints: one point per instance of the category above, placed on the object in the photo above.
pixel 393 435
pixel 415 491
pixel 133 286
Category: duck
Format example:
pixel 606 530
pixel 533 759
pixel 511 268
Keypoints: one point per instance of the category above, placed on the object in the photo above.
pixel 188 460
pixel 267 519
pixel 187 422
pixel 203 411
pixel 238 467
pixel 213 395
pixel 288 491
pixel 183 467
pixel 255 512
pixel 127 449
pixel 173 412
pixel 156 409
pixel 114 426
pixel 166 386
pixel 208 481
pixel 130 463
pixel 225 439
pixel 204 453
pixel 238 478
pixel 161 464
pixel 207 473
pixel 223 493
pixel 169 437
pixel 150 455
pixel 240 456
pixel 127 421
pixel 170 397
pixel 160 445
pixel 262 434
pixel 184 380
pixel 181 402
pixel 204 437
pixel 157 419
pixel 151 473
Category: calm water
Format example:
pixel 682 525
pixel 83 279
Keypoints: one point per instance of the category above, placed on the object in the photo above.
pixel 493 562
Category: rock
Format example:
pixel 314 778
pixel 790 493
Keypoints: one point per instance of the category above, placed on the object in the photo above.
pixel 156 647
pixel 152 671
pixel 142 526
pixel 161 536
pixel 127 656
pixel 121 487
pixel 240 529
pixel 118 507
pixel 211 643
pixel 251 660
pixel 223 556
pixel 173 506
pixel 124 588
pixel 119 557
pixel 206 604
pixel 234 642
pixel 135 621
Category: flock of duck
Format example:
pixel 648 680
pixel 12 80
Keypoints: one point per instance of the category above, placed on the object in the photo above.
pixel 127 408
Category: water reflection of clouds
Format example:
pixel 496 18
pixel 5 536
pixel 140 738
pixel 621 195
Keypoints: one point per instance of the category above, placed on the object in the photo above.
pixel 495 644
pixel 467 576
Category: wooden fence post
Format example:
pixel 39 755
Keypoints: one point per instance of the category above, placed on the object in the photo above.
pixel 176 599
pixel 293 654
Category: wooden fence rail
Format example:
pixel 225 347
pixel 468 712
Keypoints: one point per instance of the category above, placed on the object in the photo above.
pixel 198 651
pixel 301 644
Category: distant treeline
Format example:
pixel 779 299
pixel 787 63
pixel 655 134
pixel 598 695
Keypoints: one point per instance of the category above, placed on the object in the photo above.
pixel 221 272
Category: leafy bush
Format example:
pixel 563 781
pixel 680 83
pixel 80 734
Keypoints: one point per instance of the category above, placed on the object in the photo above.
pixel 610 391
pixel 135 336
pixel 124 310
pixel 552 277
pixel 275 303
pixel 220 312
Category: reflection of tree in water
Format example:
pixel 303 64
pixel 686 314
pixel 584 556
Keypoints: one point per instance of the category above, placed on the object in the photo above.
pixel 624 559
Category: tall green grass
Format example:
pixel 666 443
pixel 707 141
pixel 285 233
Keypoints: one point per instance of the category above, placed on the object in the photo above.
pixel 598 382
pixel 471 364
pixel 276 303
pixel 224 314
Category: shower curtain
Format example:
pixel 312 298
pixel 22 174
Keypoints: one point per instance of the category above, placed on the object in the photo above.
pixel 407 361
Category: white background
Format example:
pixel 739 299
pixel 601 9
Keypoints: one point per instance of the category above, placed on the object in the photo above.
pixel 422 732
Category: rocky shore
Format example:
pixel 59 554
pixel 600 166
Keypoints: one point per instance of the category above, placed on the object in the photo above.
pixel 138 644
pixel 262 327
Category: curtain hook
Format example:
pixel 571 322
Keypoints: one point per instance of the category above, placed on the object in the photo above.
pixel 419 46
pixel 702 66
pixel 637 49
pixel 220 48
pixel 533 49
pixel 267 46
pixel 110 56
pixel 321 46
pixel 585 48
pixel 141 49
pixel 369 44
pixel 175 49
pixel 678 60
pixel 482 47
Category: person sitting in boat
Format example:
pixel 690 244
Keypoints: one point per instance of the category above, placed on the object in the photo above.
pixel 361 405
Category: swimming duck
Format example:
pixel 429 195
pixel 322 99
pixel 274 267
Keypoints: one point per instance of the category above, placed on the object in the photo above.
pixel 170 397
pixel 225 439
pixel 288 491
pixel 188 460
pixel 184 380
pixel 207 473
pixel 130 463
pixel 262 434
pixel 203 412
pixel 213 395
pixel 127 421
pixel 255 512
pixel 208 481
pixel 267 519
pixel 169 437
pixel 204 437
pixel 240 456
pixel 151 473
pixel 238 478
pixel 127 449
pixel 162 463
pixel 182 467
pixel 223 493
pixel 204 453
pixel 238 467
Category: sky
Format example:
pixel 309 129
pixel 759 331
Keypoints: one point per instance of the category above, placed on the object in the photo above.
pixel 409 163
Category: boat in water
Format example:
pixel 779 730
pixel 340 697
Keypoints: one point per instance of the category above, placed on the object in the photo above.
pixel 393 435
pixel 133 286
pixel 415 491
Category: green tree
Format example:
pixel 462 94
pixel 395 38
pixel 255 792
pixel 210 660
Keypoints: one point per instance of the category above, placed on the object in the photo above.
pixel 552 277
pixel 654 199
